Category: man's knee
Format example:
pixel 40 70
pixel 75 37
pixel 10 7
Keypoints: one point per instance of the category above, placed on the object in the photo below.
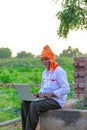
pixel 24 104
pixel 34 106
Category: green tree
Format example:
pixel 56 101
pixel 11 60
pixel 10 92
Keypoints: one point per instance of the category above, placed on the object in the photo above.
pixel 70 52
pixel 24 54
pixel 5 53
pixel 72 17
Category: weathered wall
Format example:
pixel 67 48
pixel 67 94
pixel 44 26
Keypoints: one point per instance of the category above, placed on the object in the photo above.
pixel 66 119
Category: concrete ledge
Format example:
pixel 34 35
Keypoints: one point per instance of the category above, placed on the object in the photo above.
pixel 10 122
pixel 64 119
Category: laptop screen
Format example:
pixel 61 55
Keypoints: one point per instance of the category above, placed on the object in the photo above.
pixel 24 92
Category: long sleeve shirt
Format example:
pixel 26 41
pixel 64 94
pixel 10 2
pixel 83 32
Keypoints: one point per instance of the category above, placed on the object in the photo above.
pixel 55 82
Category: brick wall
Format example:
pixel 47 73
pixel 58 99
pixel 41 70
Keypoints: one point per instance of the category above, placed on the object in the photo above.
pixel 80 77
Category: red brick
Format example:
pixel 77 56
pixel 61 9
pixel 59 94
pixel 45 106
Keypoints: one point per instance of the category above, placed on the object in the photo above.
pixel 82 85
pixel 79 95
pixel 75 85
pixel 76 64
pixel 79 85
pixel 82 95
pixel 79 90
pixel 79 79
pixel 82 63
pixel 76 74
pixel 76 95
pixel 76 69
pixel 82 73
pixel 80 59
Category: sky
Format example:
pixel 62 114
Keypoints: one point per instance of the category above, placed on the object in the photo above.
pixel 29 25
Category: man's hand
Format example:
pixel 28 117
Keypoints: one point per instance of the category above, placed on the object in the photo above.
pixel 49 95
pixel 38 95
pixel 46 95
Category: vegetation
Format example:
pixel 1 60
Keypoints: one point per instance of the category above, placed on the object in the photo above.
pixel 24 54
pixel 80 104
pixel 5 53
pixel 72 17
pixel 69 52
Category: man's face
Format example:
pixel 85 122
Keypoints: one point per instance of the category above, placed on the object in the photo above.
pixel 46 62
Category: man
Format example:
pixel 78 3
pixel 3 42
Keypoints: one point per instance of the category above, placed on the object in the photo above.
pixel 54 88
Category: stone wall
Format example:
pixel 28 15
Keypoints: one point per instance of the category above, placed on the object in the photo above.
pixel 66 119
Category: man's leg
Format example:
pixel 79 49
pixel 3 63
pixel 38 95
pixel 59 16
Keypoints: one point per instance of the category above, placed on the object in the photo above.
pixel 36 108
pixel 24 112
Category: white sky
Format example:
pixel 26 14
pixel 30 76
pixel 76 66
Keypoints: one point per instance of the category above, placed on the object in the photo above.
pixel 28 25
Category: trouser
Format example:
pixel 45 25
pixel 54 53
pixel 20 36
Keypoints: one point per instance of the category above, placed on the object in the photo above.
pixel 30 112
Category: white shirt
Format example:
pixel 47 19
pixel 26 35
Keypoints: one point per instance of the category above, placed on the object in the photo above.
pixel 56 82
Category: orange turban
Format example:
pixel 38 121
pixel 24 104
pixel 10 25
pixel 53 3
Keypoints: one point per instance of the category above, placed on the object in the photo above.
pixel 47 53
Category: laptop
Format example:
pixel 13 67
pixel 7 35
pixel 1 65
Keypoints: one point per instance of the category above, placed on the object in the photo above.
pixel 25 93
